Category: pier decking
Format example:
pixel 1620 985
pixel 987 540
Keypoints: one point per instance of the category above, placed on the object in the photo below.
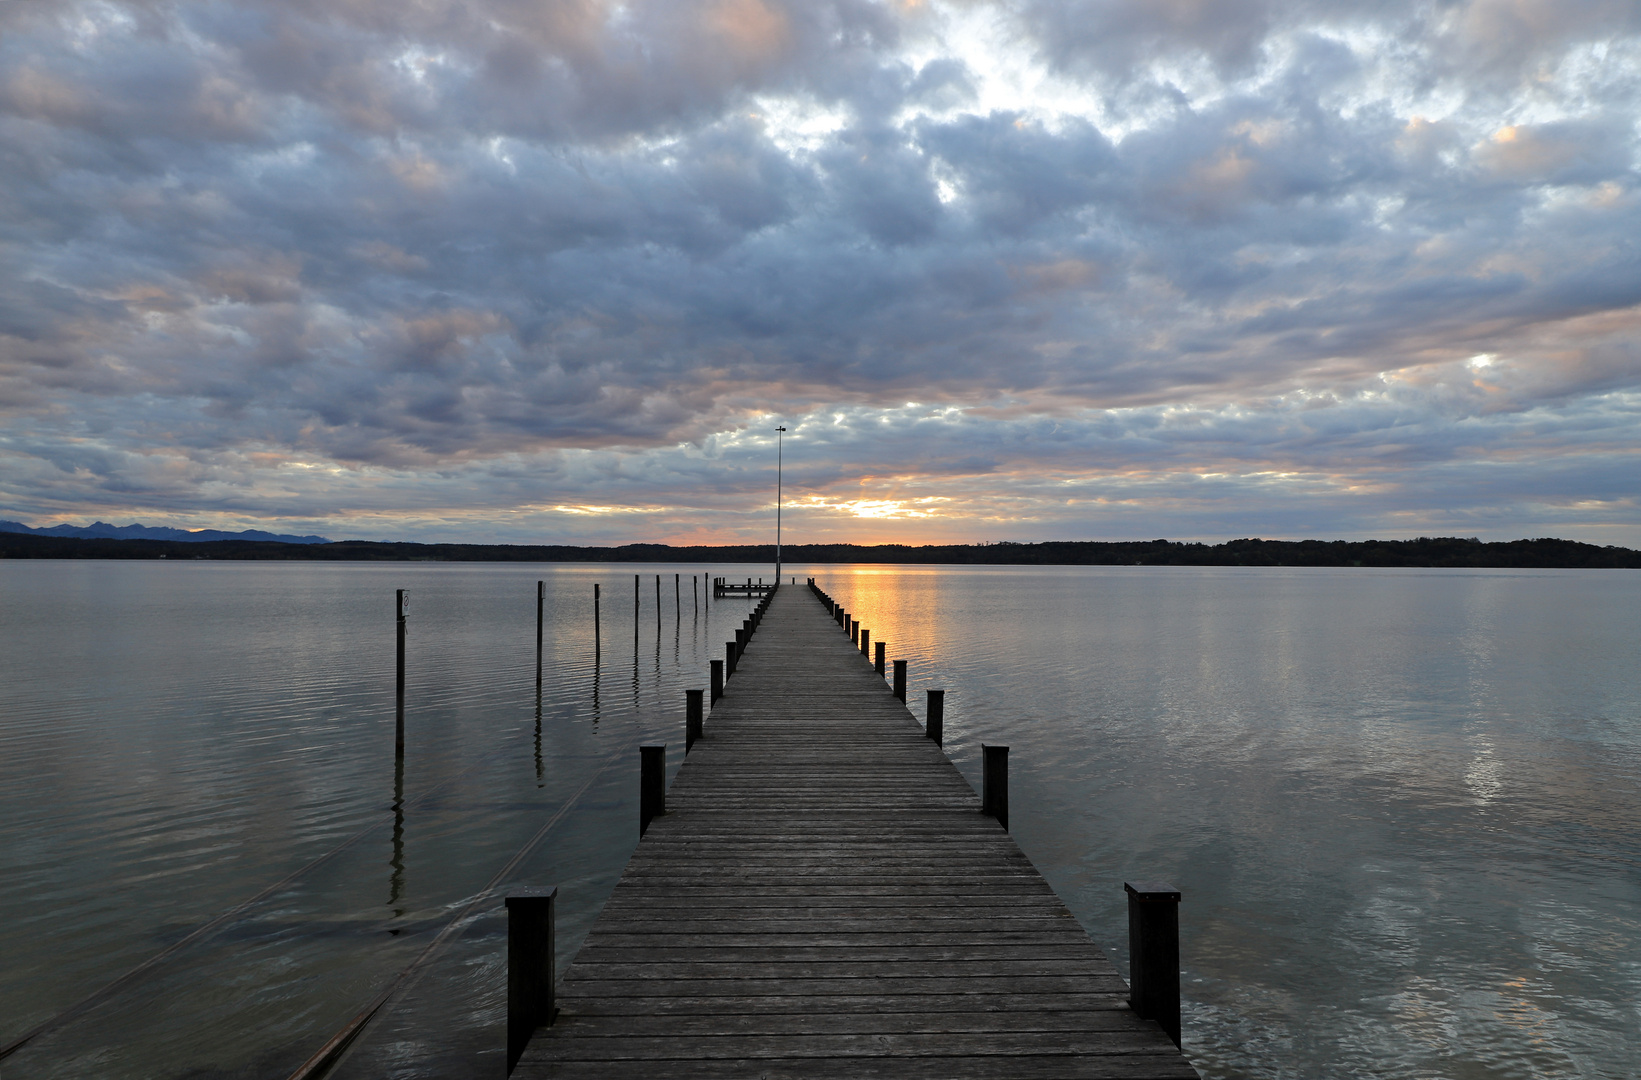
pixel 824 899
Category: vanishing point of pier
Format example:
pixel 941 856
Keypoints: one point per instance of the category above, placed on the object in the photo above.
pixel 824 898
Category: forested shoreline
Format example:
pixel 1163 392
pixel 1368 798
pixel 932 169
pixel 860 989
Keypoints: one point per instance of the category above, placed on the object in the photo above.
pixel 1443 551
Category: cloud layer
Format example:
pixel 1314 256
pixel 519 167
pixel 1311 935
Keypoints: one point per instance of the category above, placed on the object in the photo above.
pixel 528 271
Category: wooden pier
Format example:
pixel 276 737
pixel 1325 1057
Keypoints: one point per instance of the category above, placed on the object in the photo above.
pixel 823 898
pixel 722 587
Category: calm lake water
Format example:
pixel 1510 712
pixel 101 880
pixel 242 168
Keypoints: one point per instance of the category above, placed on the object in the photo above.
pixel 1404 806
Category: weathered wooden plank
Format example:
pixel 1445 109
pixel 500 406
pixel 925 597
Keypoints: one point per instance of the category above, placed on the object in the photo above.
pixel 831 953
pixel 1146 1066
pixel 820 1021
pixel 956 983
pixel 857 1005
pixel 824 899
pixel 840 935
pixel 1085 1043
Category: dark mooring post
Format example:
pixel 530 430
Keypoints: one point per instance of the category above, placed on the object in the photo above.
pixel 717 680
pixel 595 616
pixel 881 662
pixel 677 596
pixel 994 783
pixel 936 713
pixel 1153 950
pixel 652 785
pixel 541 599
pixel 530 951
pixel 399 678
pixel 865 642
pixel 729 659
pixel 693 716
pixel 900 679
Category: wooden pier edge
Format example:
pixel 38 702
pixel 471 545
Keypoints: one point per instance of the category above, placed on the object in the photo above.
pixel 824 898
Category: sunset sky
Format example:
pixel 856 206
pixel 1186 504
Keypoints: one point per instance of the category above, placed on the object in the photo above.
pixel 525 271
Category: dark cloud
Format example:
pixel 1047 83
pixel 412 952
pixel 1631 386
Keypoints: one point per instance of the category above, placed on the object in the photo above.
pixel 418 266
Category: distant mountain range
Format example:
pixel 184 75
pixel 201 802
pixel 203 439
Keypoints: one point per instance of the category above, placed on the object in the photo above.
pixel 102 530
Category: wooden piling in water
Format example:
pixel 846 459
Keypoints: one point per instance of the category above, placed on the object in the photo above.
pixel 399 675
pixel 1153 953
pixel 652 785
pixel 531 948
pixel 994 784
pixel 694 716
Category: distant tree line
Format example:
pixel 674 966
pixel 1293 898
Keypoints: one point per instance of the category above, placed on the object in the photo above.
pixel 1424 551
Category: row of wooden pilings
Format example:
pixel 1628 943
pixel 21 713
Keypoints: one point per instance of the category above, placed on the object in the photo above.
pixel 531 920
pixel 1153 907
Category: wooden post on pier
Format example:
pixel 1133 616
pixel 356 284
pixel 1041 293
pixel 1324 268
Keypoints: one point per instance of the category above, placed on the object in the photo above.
pixel 881 665
pixel 1153 952
pixel 652 785
pixel 693 718
pixel 717 680
pixel 994 783
pixel 865 643
pixel 900 679
pixel 935 727
pixel 530 955
pixel 729 660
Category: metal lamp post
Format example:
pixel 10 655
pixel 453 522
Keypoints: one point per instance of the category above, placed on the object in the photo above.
pixel 780 433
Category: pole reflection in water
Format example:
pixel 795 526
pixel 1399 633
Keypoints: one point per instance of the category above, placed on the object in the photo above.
pixel 396 880
pixel 540 769
pixel 598 656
